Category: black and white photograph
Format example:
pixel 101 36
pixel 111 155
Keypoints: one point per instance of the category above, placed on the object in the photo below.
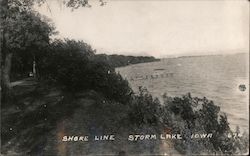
pixel 124 77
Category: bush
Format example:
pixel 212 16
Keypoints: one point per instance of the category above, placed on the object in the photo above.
pixel 144 109
pixel 188 115
pixel 101 77
pixel 72 66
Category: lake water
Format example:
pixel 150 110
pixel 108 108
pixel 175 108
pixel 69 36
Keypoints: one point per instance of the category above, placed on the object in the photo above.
pixel 216 77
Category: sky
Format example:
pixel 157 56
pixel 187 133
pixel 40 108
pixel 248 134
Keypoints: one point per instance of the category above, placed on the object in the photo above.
pixel 159 28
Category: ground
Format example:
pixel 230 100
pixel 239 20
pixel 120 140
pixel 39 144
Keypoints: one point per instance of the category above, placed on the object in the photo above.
pixel 39 115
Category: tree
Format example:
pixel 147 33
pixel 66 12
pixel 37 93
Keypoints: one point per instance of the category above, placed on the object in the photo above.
pixel 65 61
pixel 22 30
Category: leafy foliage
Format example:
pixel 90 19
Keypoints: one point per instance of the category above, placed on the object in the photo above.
pixel 27 4
pixel 25 30
pixel 192 115
pixel 121 60
pixel 144 109
pixel 188 115
pixel 24 33
pixel 71 65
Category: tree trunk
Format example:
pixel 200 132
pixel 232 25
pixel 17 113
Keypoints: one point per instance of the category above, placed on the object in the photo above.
pixel 3 8
pixel 6 86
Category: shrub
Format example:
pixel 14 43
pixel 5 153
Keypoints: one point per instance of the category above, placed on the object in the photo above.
pixel 71 65
pixel 188 115
pixel 144 109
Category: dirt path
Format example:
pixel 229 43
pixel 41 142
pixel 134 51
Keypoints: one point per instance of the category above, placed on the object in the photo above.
pixel 24 82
